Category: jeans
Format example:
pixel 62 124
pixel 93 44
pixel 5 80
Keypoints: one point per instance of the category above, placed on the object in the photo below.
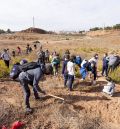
pixel 70 81
pixel 65 79
pixel 105 69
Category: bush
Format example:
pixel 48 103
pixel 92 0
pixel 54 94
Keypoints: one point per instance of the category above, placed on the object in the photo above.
pixel 115 75
pixel 96 28
pixel 108 28
pixel 4 71
pixel 2 31
pixel 117 26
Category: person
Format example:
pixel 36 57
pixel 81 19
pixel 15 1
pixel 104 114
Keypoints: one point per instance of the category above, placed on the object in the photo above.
pixel 19 50
pixel 55 64
pixel 13 53
pixel 64 70
pixel 30 77
pixel 110 87
pixel 93 67
pixel 27 49
pixel 30 49
pixel 41 56
pixel 54 53
pixel 94 58
pixel 105 65
pixel 6 57
pixel 35 46
pixel 83 69
pixel 71 72
pixel 67 53
pixel 47 56
pixel 112 59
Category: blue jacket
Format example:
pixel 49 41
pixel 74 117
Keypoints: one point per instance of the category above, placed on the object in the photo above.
pixel 105 62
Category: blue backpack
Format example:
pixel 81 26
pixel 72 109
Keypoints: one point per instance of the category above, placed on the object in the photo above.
pixel 78 60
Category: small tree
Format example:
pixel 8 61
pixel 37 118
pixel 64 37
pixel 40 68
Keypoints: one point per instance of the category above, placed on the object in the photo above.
pixel 8 31
pixel 95 29
pixel 108 28
pixel 117 26
pixel 2 31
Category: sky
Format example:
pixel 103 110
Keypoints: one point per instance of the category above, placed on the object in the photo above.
pixel 58 15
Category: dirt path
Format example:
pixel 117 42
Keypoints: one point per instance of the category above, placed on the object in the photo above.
pixel 86 107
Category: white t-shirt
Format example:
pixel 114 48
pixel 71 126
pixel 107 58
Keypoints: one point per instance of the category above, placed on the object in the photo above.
pixel 83 62
pixel 5 56
pixel 93 60
pixel 71 68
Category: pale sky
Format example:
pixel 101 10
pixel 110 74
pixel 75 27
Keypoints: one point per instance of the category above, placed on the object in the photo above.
pixel 58 14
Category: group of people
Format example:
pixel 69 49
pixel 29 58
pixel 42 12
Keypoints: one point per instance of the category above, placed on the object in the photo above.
pixel 6 55
pixel 69 62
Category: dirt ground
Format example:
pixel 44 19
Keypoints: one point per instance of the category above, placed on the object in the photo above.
pixel 84 108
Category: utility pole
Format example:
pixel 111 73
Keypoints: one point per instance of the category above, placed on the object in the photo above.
pixel 33 22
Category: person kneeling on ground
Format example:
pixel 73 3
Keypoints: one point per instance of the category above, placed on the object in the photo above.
pixel 71 72
pixel 110 87
pixel 30 77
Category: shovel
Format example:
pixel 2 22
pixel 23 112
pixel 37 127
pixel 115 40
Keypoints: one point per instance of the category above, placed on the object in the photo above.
pixel 54 96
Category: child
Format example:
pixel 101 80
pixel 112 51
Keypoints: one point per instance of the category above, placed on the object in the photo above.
pixel 55 64
pixel 110 87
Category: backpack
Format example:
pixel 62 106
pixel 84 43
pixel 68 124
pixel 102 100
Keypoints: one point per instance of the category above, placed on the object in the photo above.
pixel 28 66
pixel 33 65
pixel 78 60
pixel 17 69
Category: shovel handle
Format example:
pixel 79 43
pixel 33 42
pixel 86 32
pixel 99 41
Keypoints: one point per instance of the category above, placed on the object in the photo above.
pixel 56 97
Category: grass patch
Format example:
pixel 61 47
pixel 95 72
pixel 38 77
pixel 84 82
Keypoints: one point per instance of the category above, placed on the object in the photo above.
pixel 4 71
pixel 115 75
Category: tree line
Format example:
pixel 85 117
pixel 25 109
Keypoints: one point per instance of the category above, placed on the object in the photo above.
pixel 115 27
pixel 3 31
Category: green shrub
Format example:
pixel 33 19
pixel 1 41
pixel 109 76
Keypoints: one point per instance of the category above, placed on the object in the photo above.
pixel 4 71
pixel 115 75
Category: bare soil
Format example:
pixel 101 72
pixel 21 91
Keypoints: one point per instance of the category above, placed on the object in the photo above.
pixel 84 108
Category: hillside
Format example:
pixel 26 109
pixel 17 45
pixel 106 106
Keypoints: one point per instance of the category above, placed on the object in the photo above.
pixel 34 30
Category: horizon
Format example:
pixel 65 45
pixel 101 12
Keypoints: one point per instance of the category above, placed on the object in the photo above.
pixel 58 15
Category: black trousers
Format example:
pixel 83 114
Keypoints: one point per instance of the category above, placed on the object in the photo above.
pixel 7 63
